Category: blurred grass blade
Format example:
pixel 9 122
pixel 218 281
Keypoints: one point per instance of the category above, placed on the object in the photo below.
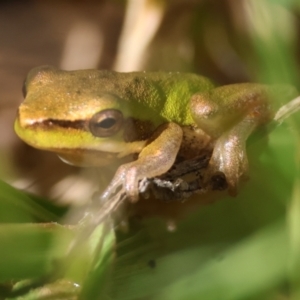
pixel 27 250
pixel 249 267
pixel 39 252
pixel 96 284
pixel 17 206
pixel 294 227
pixel 273 39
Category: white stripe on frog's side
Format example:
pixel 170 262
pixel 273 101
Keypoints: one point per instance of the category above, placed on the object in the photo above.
pixel 122 148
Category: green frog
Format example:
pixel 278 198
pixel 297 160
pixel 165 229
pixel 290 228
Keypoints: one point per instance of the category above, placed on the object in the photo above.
pixel 95 117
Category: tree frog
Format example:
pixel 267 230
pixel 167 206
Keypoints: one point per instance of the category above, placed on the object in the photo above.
pixel 93 117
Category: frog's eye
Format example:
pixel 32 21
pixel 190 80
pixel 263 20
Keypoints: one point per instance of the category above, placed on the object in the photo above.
pixel 106 123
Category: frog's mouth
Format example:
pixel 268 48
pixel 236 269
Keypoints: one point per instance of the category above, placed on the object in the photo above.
pixel 85 158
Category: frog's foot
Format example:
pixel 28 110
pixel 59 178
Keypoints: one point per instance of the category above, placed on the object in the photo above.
pixel 229 157
pixel 124 182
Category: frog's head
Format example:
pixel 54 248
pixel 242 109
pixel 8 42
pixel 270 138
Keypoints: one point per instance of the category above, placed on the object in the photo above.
pixel 73 113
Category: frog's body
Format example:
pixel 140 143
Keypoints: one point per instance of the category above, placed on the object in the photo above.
pixel 91 117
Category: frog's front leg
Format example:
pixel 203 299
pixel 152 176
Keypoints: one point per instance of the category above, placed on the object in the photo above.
pixel 229 114
pixel 155 159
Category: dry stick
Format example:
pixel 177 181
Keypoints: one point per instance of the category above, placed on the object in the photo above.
pixel 286 110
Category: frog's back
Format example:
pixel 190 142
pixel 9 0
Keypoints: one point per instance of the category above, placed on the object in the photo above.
pixel 166 94
pixel 151 96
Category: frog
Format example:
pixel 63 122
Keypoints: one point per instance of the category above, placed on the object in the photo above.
pixel 95 117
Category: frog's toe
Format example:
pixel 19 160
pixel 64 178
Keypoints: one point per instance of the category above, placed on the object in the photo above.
pixel 131 184
pixel 114 186
pixel 230 172
pixel 126 182
pixel 232 182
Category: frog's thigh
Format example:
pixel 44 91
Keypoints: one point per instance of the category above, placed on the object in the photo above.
pixel 204 110
pixel 217 110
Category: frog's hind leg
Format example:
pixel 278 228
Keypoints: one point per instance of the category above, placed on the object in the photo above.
pixel 229 114
pixel 229 154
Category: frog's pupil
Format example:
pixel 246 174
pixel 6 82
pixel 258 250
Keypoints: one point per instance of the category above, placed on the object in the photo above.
pixel 107 123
